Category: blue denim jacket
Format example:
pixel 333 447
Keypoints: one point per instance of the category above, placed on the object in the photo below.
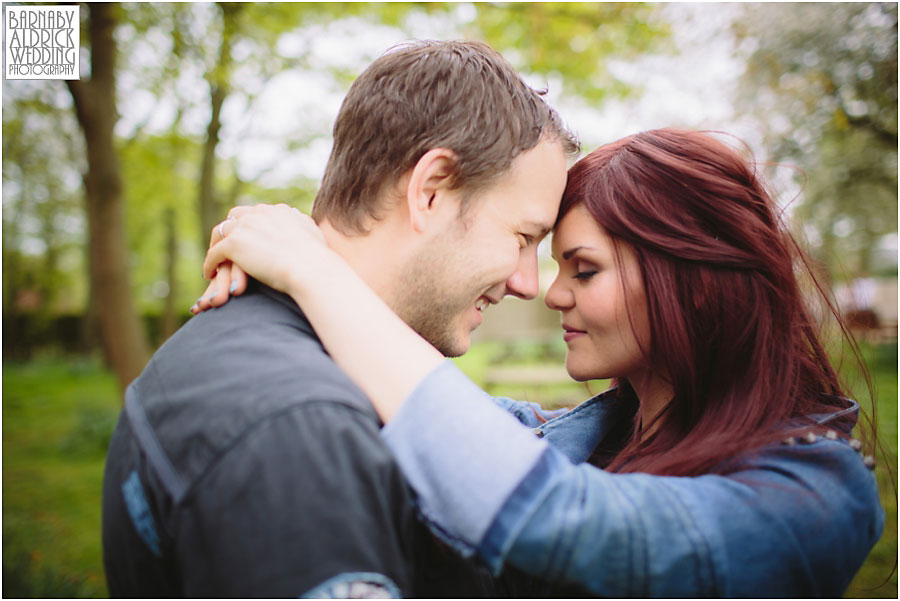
pixel 797 521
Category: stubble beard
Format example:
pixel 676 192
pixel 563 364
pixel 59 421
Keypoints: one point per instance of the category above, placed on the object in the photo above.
pixel 430 302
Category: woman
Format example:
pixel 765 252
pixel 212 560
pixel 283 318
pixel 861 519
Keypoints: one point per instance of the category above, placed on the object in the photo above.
pixel 720 464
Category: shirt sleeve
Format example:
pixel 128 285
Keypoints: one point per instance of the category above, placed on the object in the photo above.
pixel 798 522
pixel 444 410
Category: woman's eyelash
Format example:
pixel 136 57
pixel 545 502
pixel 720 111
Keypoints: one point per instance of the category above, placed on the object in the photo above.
pixel 585 275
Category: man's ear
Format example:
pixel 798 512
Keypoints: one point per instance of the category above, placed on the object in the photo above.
pixel 429 181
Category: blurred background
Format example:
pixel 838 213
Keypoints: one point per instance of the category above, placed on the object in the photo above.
pixel 111 186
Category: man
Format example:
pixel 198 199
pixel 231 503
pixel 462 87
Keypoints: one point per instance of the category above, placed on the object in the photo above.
pixel 245 462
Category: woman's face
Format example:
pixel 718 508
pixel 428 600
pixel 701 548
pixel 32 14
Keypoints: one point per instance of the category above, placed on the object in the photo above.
pixel 595 296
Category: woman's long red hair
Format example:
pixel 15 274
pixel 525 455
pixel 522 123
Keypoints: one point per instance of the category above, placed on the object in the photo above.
pixel 729 325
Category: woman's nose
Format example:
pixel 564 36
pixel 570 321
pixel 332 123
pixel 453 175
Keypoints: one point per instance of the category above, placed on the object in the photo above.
pixel 559 297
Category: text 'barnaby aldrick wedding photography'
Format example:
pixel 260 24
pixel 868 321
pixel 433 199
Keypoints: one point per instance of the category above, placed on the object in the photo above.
pixel 42 42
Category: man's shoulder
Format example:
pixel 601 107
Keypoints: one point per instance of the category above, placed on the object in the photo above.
pixel 258 344
pixel 261 316
pixel 234 369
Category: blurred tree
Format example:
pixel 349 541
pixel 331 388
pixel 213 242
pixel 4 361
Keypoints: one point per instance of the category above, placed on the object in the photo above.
pixel 42 213
pixel 159 158
pixel 572 40
pixel 823 80
pixel 250 32
pixel 121 333
pixel 161 171
pixel 218 79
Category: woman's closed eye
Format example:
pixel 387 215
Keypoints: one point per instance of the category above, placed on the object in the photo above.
pixel 585 270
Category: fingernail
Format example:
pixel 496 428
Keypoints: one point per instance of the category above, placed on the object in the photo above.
pixel 232 287
pixel 211 295
pixel 194 308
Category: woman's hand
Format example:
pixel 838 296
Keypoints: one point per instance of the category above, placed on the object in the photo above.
pixel 276 244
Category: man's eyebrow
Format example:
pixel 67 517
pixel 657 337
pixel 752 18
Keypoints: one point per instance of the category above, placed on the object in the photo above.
pixel 540 229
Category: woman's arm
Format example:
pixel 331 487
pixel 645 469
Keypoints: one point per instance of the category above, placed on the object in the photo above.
pixel 797 521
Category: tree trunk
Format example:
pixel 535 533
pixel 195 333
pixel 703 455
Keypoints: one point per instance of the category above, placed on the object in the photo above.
pixel 121 331
pixel 210 211
pixel 210 207
pixel 169 321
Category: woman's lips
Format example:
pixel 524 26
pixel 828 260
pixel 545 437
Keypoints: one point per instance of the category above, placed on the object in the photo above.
pixel 571 333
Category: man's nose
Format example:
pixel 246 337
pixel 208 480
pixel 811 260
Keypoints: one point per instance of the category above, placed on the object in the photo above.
pixel 524 282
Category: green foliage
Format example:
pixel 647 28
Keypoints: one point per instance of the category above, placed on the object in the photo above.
pixel 822 79
pixel 572 40
pixel 161 175
pixel 42 211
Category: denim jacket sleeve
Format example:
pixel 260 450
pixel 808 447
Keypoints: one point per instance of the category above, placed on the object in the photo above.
pixel 530 414
pixel 798 521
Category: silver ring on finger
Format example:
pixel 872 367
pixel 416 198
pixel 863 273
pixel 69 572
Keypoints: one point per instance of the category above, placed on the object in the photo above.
pixel 220 230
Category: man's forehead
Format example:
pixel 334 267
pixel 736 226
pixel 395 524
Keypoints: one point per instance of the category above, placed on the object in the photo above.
pixel 529 193
pixel 525 215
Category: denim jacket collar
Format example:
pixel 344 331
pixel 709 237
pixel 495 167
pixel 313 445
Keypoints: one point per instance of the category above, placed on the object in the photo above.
pixel 577 433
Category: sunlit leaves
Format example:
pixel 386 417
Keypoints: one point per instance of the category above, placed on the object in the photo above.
pixel 822 79
pixel 573 40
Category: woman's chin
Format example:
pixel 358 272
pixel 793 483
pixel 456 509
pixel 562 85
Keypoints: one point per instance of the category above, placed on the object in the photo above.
pixel 579 373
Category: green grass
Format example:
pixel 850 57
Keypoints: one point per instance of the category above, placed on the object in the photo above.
pixel 57 416
pixel 882 365
pixel 563 392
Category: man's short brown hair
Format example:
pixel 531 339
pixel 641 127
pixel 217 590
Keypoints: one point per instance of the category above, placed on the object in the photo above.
pixel 462 96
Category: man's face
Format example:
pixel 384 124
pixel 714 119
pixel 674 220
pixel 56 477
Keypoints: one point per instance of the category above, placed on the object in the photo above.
pixel 489 252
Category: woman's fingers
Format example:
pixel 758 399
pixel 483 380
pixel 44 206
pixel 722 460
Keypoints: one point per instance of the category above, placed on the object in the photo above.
pixel 215 256
pixel 240 211
pixel 220 284
pixel 226 278
pixel 238 281
pixel 267 241
pixel 216 292
pixel 202 303
pixel 230 280
pixel 218 231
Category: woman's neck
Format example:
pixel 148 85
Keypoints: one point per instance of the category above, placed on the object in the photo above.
pixel 654 393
